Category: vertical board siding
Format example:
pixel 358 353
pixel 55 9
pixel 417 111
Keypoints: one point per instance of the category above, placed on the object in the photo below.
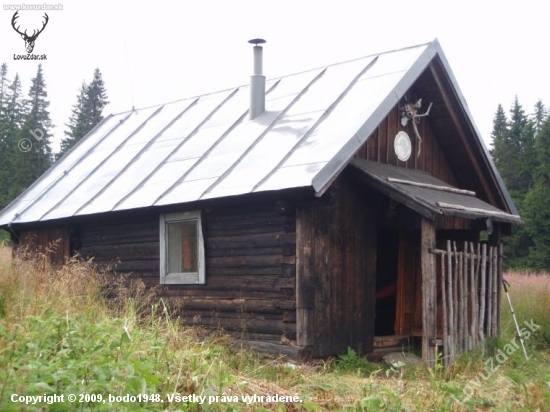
pixel 53 242
pixel 379 147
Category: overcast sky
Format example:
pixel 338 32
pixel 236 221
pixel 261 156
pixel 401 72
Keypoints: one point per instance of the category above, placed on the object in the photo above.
pixel 156 52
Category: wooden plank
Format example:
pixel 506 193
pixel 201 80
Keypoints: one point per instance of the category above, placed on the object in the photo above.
pixel 483 275
pixel 472 301
pixel 444 309
pixel 481 212
pixel 450 296
pixel 293 353
pixel 428 291
pixel 393 126
pixel 304 277
pixel 494 292
pixel 322 269
pixel 477 296
pixel 499 287
pixel 430 186
pixel 489 304
pixel 456 336
pixel 383 141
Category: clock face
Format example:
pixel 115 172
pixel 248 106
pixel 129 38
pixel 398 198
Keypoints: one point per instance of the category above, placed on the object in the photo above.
pixel 402 146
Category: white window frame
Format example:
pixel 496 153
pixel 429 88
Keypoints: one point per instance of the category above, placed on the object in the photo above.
pixel 181 278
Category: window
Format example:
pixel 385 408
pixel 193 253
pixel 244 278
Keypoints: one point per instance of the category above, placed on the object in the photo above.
pixel 181 248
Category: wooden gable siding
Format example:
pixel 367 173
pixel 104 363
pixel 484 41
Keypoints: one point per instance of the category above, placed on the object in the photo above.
pixel 53 242
pixel 379 148
pixel 250 267
pixel 336 264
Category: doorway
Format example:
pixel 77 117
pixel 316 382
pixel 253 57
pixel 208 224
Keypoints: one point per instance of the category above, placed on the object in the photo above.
pixel 386 281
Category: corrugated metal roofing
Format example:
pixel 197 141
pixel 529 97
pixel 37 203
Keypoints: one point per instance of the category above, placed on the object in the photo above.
pixel 206 147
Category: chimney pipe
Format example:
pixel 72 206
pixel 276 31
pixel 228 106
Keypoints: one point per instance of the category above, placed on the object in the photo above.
pixel 257 81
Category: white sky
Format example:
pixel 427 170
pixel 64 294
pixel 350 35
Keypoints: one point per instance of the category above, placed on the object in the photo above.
pixel 155 52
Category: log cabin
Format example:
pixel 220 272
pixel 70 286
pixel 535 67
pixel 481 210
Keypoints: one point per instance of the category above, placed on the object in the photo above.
pixel 305 215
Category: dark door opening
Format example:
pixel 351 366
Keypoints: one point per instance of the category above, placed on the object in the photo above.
pixel 386 282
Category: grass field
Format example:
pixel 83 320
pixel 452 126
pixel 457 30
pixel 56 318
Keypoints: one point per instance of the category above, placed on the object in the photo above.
pixel 58 335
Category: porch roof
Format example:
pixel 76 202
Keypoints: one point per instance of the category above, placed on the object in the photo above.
pixel 426 194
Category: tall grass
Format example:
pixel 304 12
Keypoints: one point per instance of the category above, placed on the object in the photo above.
pixel 530 296
pixel 77 330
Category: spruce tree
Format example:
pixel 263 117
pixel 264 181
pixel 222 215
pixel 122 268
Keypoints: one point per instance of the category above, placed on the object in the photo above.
pixel 4 137
pixel 12 109
pixel 539 117
pixel 536 211
pixel 77 123
pixel 3 87
pixel 521 136
pixel 87 112
pixel 33 139
pixel 513 153
pixel 96 99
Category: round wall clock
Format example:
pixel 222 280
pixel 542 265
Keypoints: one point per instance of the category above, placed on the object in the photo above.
pixel 402 146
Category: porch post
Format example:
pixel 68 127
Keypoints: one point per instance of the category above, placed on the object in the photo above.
pixel 427 261
pixel 495 239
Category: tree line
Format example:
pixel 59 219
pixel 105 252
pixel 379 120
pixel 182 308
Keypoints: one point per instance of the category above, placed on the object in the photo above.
pixel 521 152
pixel 25 128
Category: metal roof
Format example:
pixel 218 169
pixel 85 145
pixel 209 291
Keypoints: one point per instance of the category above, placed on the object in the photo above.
pixel 426 194
pixel 206 147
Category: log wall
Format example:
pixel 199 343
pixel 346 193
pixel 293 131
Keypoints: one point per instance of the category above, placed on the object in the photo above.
pixel 250 254
pixel 336 255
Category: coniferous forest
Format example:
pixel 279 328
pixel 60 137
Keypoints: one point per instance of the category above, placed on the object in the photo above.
pixel 25 129
pixel 520 150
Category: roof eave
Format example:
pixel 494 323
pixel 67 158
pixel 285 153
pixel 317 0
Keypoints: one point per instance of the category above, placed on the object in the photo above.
pixel 334 167
pixel 327 174
pixel 487 156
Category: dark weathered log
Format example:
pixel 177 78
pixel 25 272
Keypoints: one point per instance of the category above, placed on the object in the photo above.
pixel 262 240
pixel 255 305
pixel 244 261
pixel 304 278
pixel 428 292
pixel 294 353
pixel 245 271
pixel 244 252
pixel 126 251
pixel 243 323
pixel 287 338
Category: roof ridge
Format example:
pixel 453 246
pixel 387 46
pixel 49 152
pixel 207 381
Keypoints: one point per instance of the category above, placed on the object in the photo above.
pixel 276 78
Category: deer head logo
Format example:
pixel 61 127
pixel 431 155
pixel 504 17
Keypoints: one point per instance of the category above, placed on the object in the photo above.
pixel 29 40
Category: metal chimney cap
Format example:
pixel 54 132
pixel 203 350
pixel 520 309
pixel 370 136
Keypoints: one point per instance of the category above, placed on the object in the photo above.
pixel 256 41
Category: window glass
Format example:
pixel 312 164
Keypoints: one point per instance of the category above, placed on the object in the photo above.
pixel 182 247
